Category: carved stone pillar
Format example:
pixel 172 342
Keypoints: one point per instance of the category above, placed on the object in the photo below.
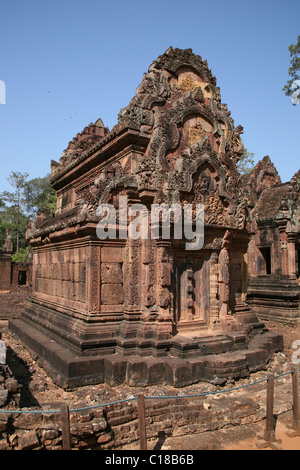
pixel 164 279
pixel 214 291
pixel 244 270
pixel 93 277
pixel 283 246
pixel 224 279
pixel 148 297
pixel 291 254
pixel 132 272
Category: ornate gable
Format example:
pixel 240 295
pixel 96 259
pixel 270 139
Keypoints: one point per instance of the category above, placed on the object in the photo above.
pixel 183 146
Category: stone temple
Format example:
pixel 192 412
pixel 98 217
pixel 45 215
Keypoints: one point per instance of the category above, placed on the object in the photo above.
pixel 151 310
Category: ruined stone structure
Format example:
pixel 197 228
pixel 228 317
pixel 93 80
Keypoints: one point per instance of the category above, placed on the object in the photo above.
pixel 273 253
pixel 12 274
pixel 148 310
pixel 5 265
pixel 21 274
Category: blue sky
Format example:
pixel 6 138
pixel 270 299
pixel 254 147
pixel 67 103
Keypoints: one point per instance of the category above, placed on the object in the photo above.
pixel 66 63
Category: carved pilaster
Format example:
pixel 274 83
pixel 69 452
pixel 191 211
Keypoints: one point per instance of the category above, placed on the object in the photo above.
pixel 291 253
pixel 93 277
pixel 214 290
pixel 244 266
pixel 224 278
pixel 132 308
pixel 283 245
pixel 163 279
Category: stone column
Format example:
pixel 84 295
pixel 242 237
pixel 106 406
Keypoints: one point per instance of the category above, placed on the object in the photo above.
pixel 132 280
pixel 224 278
pixel 93 277
pixel 214 301
pixel 283 245
pixel 147 280
pixel 244 269
pixel 291 254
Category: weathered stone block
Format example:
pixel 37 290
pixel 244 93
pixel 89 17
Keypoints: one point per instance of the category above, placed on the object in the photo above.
pixel 3 397
pixel 76 272
pixel 28 441
pixel 136 372
pixel 82 273
pixel 115 370
pixel 48 435
pixel 111 273
pixel 112 254
pixel 256 359
pixel 144 371
pixel 155 371
pixel 112 294
pixel 197 369
pixel 104 438
pixel 177 372
pixel 12 385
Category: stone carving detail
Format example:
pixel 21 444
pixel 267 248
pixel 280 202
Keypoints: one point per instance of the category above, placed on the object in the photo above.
pixel 136 117
pixel 176 150
pixel 99 191
pixel 188 84
pixel 91 135
pixel 195 134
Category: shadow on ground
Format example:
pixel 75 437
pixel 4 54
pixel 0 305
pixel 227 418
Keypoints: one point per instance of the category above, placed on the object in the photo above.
pixel 21 372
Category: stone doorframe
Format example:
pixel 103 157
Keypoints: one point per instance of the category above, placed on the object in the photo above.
pixel 192 290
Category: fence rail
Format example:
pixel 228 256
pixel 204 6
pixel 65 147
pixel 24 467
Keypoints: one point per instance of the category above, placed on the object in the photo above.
pixel 267 439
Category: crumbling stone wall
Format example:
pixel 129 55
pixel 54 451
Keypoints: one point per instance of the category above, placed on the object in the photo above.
pixel 116 426
pixel 5 272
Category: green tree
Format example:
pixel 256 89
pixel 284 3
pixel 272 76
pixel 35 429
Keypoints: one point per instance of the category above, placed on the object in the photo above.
pixel 246 163
pixel 22 256
pixel 12 218
pixel 39 194
pixel 294 70
pixel 23 203
pixel 2 225
pixel 14 213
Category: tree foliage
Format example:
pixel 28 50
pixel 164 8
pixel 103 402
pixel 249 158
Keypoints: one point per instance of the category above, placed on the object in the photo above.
pixel 14 214
pixel 294 69
pixel 2 227
pixel 20 205
pixel 12 218
pixel 22 256
pixel 39 194
pixel 246 163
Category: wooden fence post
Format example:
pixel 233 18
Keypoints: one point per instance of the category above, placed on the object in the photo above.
pixel 295 428
pixel 65 427
pixel 142 421
pixel 269 434
pixel 268 439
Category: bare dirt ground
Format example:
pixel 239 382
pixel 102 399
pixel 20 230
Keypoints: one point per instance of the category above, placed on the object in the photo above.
pixel 39 389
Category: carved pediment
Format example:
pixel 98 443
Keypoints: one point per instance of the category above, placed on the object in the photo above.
pixel 189 80
pixel 190 143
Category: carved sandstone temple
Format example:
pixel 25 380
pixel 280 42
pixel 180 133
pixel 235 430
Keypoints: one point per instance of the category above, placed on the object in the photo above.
pixel 148 310
pixel 274 249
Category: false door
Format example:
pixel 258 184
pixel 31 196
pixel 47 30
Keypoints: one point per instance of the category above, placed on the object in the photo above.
pixel 192 292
